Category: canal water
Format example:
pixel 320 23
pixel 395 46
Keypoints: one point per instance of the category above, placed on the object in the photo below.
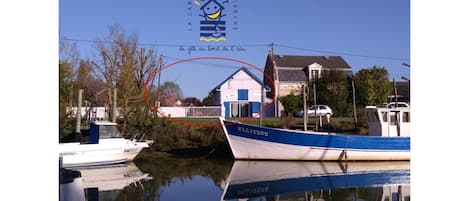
pixel 173 179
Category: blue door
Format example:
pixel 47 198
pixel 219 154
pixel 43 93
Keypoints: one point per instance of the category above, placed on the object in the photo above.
pixel 227 109
pixel 254 106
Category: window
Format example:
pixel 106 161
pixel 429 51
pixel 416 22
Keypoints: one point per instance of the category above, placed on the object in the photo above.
pixel 394 118
pixel 384 115
pixel 242 94
pixel 314 74
pixel 109 131
pixel 405 117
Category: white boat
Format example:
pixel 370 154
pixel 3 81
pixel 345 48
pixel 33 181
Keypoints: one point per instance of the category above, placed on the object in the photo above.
pixel 388 139
pixel 104 146
pixel 283 180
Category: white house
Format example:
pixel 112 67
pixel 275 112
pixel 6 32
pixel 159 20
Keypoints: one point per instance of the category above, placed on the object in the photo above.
pixel 240 95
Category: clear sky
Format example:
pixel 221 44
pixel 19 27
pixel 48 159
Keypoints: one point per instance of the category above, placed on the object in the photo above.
pixel 364 33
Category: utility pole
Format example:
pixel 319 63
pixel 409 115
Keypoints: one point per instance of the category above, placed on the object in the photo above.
pixel 114 105
pixel 305 109
pixel 160 62
pixel 395 92
pixel 314 98
pixel 355 121
pixel 78 115
pixel 261 115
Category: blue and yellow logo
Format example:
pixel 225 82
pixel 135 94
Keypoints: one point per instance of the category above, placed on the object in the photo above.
pixel 212 25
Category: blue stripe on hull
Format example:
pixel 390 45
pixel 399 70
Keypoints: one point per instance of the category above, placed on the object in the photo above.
pixel 335 141
pixel 283 186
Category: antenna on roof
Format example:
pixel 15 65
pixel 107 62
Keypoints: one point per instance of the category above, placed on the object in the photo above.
pixel 326 57
pixel 272 47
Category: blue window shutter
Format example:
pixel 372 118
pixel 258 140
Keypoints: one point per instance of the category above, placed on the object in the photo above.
pixel 242 94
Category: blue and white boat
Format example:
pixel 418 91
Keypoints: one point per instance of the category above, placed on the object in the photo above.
pixel 388 139
pixel 286 180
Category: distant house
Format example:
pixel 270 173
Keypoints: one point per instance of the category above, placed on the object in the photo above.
pixel 290 72
pixel 240 95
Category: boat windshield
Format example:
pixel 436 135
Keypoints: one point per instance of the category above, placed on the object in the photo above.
pixel 109 131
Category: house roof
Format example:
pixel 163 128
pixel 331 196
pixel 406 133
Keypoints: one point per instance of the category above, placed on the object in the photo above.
pixel 247 72
pixel 291 75
pixel 330 62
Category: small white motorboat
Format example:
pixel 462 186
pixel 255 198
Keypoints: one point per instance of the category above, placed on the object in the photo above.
pixel 105 145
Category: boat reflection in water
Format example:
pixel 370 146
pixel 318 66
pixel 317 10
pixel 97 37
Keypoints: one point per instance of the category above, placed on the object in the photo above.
pixel 282 180
pixel 98 182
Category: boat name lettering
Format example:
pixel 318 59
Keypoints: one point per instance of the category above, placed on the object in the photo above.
pixel 253 131
pixel 256 190
pixel 67 153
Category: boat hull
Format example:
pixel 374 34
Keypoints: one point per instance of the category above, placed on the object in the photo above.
pixel 252 142
pixel 110 151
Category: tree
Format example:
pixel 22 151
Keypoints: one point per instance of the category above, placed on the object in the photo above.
pixel 209 99
pixel 291 103
pixel 332 90
pixel 192 101
pixel 122 65
pixel 90 85
pixel 67 65
pixel 372 86
pixel 170 93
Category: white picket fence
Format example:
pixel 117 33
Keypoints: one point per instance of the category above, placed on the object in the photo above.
pixel 100 113
pixel 191 112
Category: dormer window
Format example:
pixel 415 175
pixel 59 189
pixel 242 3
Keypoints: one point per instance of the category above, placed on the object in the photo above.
pixel 314 71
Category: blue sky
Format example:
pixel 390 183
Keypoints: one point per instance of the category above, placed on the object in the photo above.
pixel 364 33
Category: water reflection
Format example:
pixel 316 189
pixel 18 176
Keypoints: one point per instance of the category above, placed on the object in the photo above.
pixel 169 179
pixel 268 180
pixel 99 182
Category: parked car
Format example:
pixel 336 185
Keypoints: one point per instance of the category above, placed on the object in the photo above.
pixel 399 104
pixel 321 110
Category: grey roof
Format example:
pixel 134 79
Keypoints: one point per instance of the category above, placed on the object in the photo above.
pixel 330 62
pixel 291 75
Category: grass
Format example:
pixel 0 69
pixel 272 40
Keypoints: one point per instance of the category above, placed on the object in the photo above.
pixel 339 124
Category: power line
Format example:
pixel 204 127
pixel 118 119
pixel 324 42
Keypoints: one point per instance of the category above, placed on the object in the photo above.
pixel 164 45
pixel 250 45
pixel 342 53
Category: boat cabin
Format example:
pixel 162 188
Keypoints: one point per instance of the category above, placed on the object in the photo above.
pixel 102 130
pixel 383 121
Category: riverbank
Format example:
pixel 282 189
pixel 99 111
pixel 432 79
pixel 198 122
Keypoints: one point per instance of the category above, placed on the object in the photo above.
pixel 188 139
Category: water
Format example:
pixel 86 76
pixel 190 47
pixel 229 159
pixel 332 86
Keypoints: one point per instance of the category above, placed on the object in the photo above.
pixel 172 179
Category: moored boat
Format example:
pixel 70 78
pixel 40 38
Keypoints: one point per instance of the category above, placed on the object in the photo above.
pixel 105 145
pixel 388 139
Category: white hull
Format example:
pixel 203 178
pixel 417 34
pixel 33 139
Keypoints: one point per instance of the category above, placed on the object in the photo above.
pixel 108 151
pixel 244 148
